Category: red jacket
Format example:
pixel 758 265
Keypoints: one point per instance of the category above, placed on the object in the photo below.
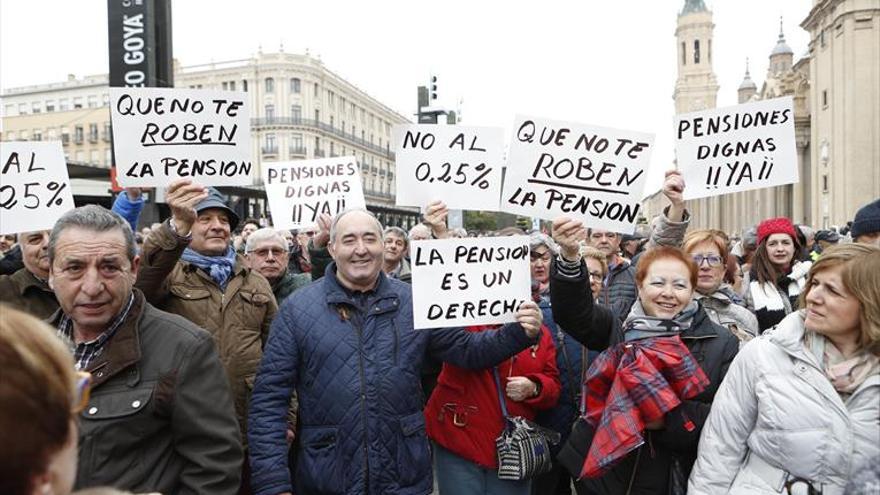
pixel 463 414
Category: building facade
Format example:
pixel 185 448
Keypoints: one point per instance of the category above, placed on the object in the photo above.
pixel 300 110
pixel 836 93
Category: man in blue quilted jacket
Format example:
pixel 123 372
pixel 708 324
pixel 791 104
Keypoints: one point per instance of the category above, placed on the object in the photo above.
pixel 347 346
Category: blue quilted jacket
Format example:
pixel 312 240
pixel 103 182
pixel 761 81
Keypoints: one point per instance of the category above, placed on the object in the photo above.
pixel 354 360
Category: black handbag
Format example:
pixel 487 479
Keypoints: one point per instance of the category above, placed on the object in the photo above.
pixel 523 447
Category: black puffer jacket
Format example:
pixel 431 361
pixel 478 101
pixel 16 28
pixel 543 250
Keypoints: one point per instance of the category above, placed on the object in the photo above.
pixel 669 454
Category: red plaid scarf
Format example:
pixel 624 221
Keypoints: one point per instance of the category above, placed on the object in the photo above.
pixel 631 384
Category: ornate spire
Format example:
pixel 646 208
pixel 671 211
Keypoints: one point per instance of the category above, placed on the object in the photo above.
pixel 747 82
pixel 781 46
pixel 691 6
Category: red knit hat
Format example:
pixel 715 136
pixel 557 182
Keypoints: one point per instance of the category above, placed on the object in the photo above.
pixel 779 225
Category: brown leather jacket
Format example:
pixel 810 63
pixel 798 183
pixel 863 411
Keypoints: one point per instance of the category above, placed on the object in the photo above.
pixel 238 318
pixel 160 415
pixel 22 290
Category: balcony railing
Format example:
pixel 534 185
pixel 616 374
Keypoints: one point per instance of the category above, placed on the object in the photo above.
pixel 315 124
pixel 270 150
pixel 297 151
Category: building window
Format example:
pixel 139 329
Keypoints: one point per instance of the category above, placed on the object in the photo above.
pixel 824 98
pixel 93 101
pixel 224 86
pixel 10 111
pixel 269 145
pixel 108 157
pixel 36 107
pixel 244 85
pixel 77 102
pixel 331 99
pixel 107 132
pixel 709 52
pixel 332 150
pixel 296 142
pixel 317 115
pixel 52 134
pixel 93 157
pixel 822 38
pixel 296 112
pixel 38 135
pixel 825 183
pixel 696 51
pixel 331 121
pixel 93 133
pixel 270 85
pixel 22 108
pixel 80 156
pixel 78 135
pixel 316 90
pixel 62 105
pixel 295 85
pixel 270 111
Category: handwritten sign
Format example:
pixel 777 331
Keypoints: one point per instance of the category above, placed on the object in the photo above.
pixel 749 146
pixel 162 134
pixel 595 174
pixel 469 281
pixel 34 186
pixel 300 191
pixel 460 165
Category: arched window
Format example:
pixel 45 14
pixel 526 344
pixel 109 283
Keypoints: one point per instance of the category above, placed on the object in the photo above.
pixel 696 51
pixel 270 85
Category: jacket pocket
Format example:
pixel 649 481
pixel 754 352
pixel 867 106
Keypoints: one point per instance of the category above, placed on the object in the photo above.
pixel 194 303
pixel 318 467
pixel 117 422
pixel 413 451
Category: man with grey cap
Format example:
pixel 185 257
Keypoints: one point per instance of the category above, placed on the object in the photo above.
pixel 189 268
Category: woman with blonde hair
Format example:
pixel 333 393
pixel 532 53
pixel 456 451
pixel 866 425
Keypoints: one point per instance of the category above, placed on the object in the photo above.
pixel 799 411
pixel 40 394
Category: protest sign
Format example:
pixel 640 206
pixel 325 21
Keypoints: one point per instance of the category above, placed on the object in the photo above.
pixel 594 174
pixel 300 191
pixel 748 146
pixel 472 281
pixel 457 164
pixel 163 134
pixel 34 186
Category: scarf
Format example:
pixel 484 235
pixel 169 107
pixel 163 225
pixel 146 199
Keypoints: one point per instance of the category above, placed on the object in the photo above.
pixel 218 267
pixel 638 325
pixel 767 299
pixel 846 375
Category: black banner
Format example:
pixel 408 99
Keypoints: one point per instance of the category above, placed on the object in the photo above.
pixel 140 43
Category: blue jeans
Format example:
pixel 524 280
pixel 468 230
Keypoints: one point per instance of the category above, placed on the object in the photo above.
pixel 459 476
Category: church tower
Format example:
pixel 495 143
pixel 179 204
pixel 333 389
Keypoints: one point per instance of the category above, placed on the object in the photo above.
pixel 781 58
pixel 696 87
pixel 748 88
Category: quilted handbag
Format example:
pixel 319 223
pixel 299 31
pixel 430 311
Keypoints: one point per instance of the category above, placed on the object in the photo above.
pixel 523 447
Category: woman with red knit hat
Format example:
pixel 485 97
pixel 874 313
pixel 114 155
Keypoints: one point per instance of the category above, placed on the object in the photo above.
pixel 776 278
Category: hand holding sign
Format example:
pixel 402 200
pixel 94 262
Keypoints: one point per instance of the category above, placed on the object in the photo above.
pixel 530 317
pixel 567 232
pixel 182 197
pixel 435 216
pixel 673 189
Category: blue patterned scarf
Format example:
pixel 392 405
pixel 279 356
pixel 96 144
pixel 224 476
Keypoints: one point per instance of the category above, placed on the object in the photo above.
pixel 218 267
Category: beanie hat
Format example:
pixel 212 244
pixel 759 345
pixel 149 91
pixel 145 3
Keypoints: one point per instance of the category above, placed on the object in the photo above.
pixel 779 225
pixel 867 220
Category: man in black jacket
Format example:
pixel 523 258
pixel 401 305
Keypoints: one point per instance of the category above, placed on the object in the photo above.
pixel 160 415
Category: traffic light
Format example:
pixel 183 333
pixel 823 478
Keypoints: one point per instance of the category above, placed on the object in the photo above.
pixel 432 87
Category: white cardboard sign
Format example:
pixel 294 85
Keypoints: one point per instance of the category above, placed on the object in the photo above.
pixel 163 134
pixel 472 281
pixel 595 174
pixel 300 191
pixel 738 148
pixel 34 186
pixel 460 165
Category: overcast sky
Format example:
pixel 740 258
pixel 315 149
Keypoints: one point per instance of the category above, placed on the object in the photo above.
pixel 608 63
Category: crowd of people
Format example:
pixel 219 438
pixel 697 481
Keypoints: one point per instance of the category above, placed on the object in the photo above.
pixel 217 355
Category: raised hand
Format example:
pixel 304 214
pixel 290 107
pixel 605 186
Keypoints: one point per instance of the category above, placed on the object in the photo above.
pixel 435 216
pixel 567 232
pixel 529 316
pixel 182 197
pixel 322 237
pixel 673 189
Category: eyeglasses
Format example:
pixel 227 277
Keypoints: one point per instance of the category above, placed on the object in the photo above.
pixel 712 259
pixel 83 391
pixel 264 252
pixel 596 276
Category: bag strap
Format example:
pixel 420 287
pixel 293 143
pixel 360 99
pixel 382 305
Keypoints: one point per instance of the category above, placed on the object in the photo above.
pixel 500 395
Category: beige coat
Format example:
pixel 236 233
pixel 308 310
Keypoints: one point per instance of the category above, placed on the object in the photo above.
pixel 238 318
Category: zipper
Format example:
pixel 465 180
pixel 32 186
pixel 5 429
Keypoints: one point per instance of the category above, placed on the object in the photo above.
pixel 359 330
pixel 396 341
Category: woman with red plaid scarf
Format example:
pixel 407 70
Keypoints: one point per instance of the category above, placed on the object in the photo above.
pixel 663 447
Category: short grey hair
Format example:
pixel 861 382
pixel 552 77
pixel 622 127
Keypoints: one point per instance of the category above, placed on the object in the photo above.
pixel 262 235
pixel 345 212
pixel 399 232
pixel 420 227
pixel 96 219
pixel 537 239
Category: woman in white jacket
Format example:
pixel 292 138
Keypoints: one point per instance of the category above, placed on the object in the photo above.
pixel 799 410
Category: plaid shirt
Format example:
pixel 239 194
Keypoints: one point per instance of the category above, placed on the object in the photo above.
pixel 85 352
pixel 631 384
